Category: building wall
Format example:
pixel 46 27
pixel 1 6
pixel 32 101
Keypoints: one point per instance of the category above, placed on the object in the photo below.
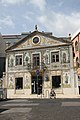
pixel 77 52
pixel 2 56
pixel 64 70
pixel 5 42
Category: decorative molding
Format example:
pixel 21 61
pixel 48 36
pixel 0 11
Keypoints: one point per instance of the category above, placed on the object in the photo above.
pixel 26 58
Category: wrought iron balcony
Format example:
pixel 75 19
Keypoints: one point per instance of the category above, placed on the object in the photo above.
pixel 33 66
pixel 28 66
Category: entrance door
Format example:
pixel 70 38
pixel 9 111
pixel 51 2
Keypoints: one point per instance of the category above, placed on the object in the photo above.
pixel 56 81
pixel 19 83
pixel 79 90
pixel 36 84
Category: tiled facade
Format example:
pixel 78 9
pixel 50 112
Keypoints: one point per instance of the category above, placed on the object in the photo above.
pixel 37 63
pixel 5 42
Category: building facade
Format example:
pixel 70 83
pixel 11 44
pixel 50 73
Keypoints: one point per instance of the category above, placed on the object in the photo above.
pixel 2 56
pixel 76 46
pixel 5 42
pixel 37 63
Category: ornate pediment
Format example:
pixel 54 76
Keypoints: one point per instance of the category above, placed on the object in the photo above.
pixel 36 40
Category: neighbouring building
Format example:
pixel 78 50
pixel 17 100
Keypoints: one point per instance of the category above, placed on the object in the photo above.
pixel 39 62
pixel 76 49
pixel 5 42
pixel 2 56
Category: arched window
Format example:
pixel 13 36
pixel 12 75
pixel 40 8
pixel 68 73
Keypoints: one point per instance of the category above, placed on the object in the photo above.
pixel 73 52
pixel 64 57
pixel 76 46
pixel 77 62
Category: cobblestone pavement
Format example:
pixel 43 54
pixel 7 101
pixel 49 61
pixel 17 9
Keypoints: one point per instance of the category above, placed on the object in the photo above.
pixel 40 109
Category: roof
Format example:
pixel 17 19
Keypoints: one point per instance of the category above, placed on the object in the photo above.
pixel 63 39
pixel 75 34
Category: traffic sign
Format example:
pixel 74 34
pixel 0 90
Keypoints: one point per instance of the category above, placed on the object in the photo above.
pixel 37 72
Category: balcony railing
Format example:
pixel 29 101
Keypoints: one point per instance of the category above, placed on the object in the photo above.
pixel 40 66
pixel 34 67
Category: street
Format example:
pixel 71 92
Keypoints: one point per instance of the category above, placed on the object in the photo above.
pixel 40 109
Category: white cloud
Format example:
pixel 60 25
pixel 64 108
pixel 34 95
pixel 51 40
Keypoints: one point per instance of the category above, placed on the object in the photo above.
pixel 24 26
pixel 60 24
pixel 41 12
pixel 60 2
pixel 7 22
pixel 28 16
pixel 39 3
pixel 5 2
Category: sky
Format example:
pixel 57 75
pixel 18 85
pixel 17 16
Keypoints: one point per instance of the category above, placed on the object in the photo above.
pixel 61 17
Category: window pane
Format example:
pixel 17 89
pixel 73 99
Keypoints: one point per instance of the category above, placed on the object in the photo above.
pixel 36 60
pixel 53 58
pixel 57 58
pixel 19 60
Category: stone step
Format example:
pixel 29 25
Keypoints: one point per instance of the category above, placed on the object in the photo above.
pixel 58 91
pixel 26 96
